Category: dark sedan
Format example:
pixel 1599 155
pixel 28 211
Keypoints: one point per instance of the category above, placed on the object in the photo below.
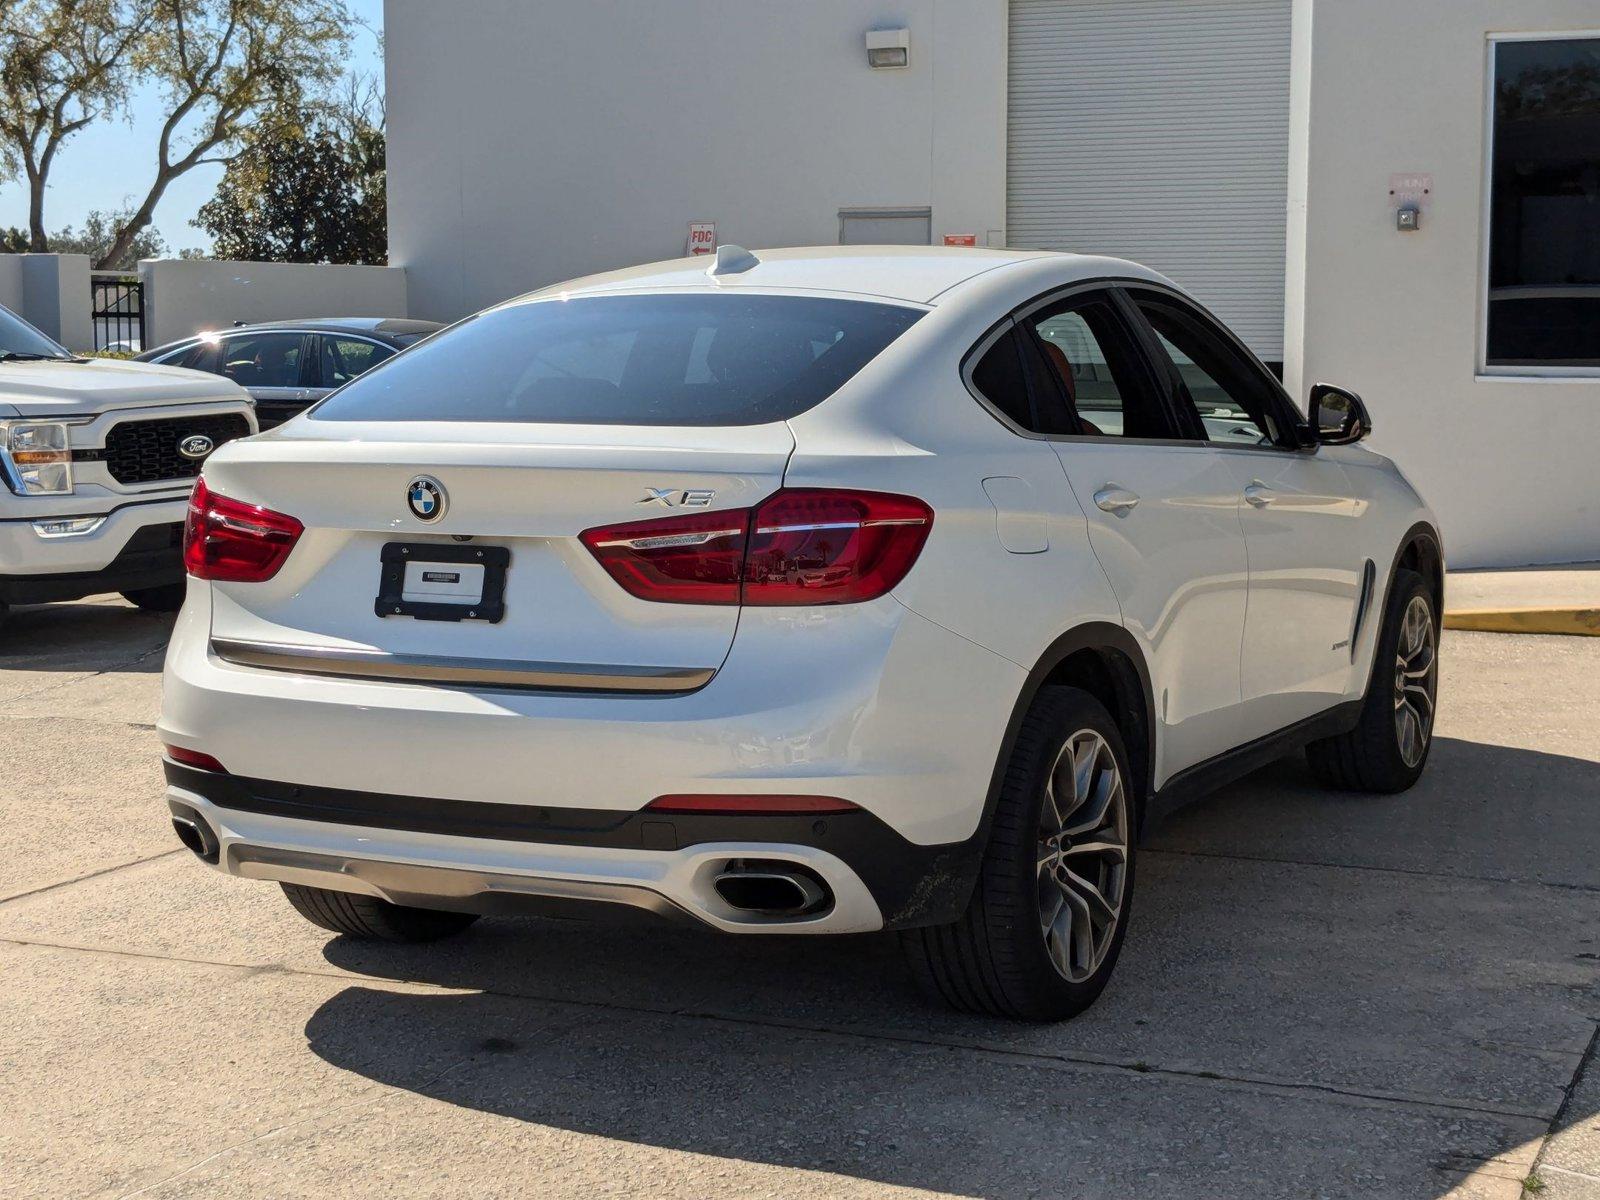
pixel 288 365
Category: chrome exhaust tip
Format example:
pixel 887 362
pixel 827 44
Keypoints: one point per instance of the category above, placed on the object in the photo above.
pixel 194 833
pixel 772 889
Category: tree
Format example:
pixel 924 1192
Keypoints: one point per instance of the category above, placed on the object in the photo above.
pixel 309 187
pixel 223 65
pixel 99 233
pixel 63 65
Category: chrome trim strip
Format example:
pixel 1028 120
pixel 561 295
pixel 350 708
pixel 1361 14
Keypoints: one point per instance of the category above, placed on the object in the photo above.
pixel 436 887
pixel 459 672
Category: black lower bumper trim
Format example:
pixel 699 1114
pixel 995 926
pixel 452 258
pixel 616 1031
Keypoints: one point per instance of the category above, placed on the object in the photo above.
pixel 912 884
pixel 153 557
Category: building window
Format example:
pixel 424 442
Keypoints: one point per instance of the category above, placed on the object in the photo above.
pixel 1544 214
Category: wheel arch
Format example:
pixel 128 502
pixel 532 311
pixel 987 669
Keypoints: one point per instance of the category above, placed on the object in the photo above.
pixel 1104 660
pixel 1420 549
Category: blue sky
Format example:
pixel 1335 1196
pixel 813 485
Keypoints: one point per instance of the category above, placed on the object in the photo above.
pixel 110 164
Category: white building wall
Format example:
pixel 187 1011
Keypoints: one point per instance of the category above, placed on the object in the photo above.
pixel 518 158
pixel 1512 466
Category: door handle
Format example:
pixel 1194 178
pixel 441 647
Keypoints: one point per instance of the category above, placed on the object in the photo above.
pixel 1258 494
pixel 1114 499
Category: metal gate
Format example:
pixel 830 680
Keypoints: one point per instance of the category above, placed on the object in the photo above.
pixel 117 311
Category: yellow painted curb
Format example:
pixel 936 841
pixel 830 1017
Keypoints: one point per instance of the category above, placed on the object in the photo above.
pixel 1584 622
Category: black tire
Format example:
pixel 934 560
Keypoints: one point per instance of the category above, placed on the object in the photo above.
pixel 995 959
pixel 168 598
pixel 1370 757
pixel 372 919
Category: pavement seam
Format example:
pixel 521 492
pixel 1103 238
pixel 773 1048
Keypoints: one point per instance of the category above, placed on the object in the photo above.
pixel 383 1091
pixel 115 668
pixel 103 871
pixel 1338 866
pixel 1568 1093
pixel 1019 1057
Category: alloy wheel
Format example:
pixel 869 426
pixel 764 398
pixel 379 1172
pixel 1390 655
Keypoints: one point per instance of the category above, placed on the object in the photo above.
pixel 1415 681
pixel 1083 855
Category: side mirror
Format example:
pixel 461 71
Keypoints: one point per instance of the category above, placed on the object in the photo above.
pixel 1338 417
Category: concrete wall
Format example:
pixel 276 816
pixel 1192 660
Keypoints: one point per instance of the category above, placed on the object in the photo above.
pixel 50 291
pixel 184 296
pixel 11 282
pixel 517 158
pixel 1512 466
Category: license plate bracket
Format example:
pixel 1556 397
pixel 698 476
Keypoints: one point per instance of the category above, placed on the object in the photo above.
pixel 431 563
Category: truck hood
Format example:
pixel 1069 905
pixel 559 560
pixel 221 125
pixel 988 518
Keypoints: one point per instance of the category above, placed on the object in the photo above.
pixel 59 388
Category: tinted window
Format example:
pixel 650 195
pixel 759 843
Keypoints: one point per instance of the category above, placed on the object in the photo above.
pixel 345 358
pixel 630 360
pixel 199 357
pixel 262 359
pixel 1091 365
pixel 1544 247
pixel 1232 398
pixel 999 378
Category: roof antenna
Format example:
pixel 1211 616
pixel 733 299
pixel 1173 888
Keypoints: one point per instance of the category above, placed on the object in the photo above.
pixel 732 260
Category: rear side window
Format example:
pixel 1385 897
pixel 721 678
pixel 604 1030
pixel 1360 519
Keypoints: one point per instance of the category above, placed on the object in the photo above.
pixel 345 358
pixel 998 375
pixel 630 360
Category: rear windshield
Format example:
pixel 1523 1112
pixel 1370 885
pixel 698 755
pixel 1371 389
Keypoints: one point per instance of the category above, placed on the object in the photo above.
pixel 629 360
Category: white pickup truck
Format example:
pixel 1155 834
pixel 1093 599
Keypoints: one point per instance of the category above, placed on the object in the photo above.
pixel 98 459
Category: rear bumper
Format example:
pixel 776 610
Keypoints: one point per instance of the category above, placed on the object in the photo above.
pixel 485 857
pixel 870 703
pixel 137 546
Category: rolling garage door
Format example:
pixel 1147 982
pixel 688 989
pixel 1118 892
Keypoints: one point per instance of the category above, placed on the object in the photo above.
pixel 1157 130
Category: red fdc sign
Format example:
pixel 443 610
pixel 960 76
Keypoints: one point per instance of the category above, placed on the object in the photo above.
pixel 960 239
pixel 702 237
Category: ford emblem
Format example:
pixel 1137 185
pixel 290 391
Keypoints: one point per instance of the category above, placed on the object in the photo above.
pixel 196 446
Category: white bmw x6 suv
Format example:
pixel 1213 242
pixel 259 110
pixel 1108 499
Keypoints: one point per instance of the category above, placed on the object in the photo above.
pixel 814 591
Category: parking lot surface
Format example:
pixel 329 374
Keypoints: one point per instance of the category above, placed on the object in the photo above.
pixel 1321 994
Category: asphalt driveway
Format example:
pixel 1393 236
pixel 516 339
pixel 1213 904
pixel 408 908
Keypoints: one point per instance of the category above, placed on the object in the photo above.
pixel 1320 995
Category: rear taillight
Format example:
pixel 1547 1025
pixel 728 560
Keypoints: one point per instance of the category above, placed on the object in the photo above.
pixel 682 560
pixel 799 546
pixel 819 546
pixel 226 540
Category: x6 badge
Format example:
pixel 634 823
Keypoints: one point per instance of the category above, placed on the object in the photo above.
pixel 677 498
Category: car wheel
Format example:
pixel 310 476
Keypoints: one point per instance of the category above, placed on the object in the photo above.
pixel 1388 748
pixel 167 598
pixel 372 919
pixel 1042 932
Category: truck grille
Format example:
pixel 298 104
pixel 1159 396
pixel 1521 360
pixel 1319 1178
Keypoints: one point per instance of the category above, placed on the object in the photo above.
pixel 147 451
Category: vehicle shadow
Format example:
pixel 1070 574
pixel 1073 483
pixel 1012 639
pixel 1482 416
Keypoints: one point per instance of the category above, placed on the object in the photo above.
pixel 101 634
pixel 1265 972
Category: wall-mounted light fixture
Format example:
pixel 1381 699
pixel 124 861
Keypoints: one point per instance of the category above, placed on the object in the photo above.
pixel 888 48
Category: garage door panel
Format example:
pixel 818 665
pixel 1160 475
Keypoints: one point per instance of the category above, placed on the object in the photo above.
pixel 1158 130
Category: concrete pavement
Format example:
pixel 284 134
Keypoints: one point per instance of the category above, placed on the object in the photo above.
pixel 1320 995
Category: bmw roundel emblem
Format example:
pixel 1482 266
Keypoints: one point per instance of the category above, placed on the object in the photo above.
pixel 196 446
pixel 426 499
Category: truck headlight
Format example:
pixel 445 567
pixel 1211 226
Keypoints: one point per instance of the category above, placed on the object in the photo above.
pixel 40 456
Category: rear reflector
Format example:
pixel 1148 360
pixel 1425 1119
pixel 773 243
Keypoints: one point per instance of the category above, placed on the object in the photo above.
pixel 194 758
pixel 770 805
pixel 233 542
pixel 800 546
